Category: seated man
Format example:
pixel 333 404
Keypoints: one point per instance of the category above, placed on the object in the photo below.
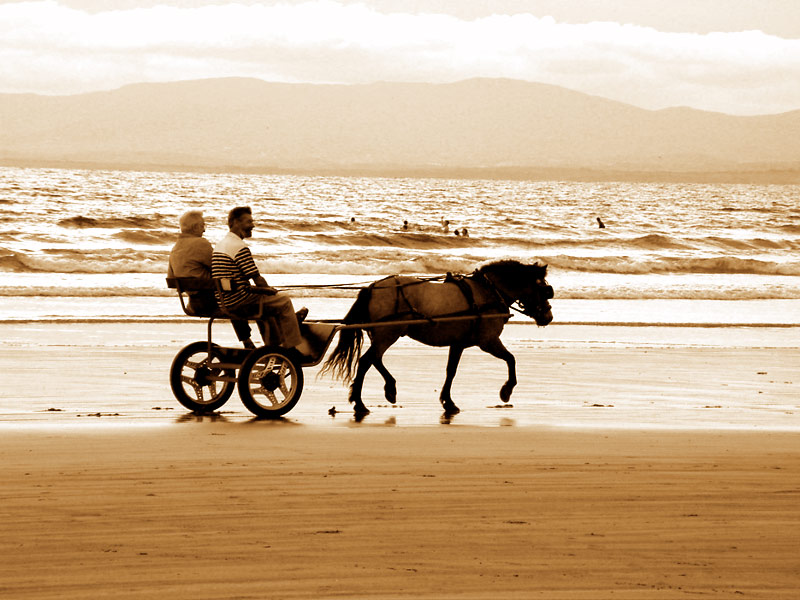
pixel 232 260
pixel 191 257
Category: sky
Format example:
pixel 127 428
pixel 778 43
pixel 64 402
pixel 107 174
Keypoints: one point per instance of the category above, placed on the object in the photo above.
pixel 733 56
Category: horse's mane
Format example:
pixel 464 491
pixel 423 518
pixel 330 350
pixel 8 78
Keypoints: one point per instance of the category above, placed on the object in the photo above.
pixel 508 269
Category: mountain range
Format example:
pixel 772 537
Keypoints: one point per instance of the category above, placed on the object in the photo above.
pixel 477 127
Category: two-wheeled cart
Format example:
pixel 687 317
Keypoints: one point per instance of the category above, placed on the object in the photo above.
pixel 270 378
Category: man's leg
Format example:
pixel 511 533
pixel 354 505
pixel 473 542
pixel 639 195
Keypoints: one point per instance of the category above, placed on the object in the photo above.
pixel 242 329
pixel 281 306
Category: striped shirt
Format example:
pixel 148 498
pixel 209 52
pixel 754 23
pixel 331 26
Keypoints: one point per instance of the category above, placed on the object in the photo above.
pixel 232 260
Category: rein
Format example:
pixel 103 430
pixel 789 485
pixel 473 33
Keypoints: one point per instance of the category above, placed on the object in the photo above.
pixel 355 286
pixel 505 300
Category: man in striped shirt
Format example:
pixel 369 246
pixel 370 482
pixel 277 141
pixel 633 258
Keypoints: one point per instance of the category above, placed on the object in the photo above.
pixel 232 260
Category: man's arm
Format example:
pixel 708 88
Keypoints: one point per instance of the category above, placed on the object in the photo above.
pixel 260 281
pixel 263 286
pixel 247 266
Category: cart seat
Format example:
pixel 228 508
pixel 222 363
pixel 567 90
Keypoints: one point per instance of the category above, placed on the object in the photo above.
pixel 196 296
pixel 198 299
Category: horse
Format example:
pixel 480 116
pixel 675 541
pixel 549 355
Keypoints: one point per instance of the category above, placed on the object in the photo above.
pixel 461 311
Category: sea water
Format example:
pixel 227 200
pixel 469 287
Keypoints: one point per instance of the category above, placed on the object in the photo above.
pixel 103 234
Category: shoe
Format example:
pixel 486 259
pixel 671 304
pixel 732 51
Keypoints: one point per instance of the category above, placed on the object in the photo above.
pixel 301 315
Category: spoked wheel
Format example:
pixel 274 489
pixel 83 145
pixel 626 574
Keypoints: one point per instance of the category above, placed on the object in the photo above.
pixel 270 381
pixel 193 378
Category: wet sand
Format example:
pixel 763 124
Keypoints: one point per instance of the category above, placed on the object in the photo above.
pixel 568 376
pixel 623 470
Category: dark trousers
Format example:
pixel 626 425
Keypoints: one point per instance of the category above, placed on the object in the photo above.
pixel 242 329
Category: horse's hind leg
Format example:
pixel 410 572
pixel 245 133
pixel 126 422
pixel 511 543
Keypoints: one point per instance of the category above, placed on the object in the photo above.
pixel 373 356
pixel 495 348
pixel 452 365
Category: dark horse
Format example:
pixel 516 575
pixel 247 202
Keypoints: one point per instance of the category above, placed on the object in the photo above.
pixel 484 298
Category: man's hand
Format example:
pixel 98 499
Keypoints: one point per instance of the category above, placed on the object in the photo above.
pixel 264 289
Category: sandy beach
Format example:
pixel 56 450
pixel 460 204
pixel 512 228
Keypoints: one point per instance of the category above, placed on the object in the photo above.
pixel 623 470
pixel 271 510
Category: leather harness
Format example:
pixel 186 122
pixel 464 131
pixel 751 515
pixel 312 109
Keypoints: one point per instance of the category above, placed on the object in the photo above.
pixel 404 307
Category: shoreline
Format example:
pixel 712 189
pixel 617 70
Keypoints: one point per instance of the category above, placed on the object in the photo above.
pixel 593 377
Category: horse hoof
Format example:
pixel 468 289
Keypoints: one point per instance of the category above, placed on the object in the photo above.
pixel 505 393
pixel 360 410
pixel 450 408
pixel 391 394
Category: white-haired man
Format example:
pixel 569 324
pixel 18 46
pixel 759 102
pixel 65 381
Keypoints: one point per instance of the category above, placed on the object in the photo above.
pixel 191 257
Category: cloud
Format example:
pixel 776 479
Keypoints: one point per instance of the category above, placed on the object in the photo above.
pixel 48 47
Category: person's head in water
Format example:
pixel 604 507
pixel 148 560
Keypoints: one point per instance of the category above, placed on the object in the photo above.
pixel 240 221
pixel 600 223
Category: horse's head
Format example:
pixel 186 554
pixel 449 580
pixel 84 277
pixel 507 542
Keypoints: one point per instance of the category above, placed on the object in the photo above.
pixel 534 303
pixel 524 284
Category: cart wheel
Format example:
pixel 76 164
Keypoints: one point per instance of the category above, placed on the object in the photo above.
pixel 270 381
pixel 192 378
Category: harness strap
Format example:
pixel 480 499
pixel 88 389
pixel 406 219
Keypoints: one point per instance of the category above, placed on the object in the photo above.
pixel 402 294
pixel 466 289
pixel 403 306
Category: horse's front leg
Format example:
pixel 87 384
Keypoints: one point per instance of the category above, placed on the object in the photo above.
pixel 495 348
pixel 390 383
pixel 452 365
pixel 364 363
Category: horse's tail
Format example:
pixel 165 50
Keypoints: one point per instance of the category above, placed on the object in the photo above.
pixel 343 360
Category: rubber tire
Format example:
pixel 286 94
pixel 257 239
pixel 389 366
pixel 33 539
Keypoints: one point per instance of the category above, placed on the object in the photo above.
pixel 287 363
pixel 176 371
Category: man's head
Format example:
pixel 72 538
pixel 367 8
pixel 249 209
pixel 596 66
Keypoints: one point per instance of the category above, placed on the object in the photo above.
pixel 192 222
pixel 240 221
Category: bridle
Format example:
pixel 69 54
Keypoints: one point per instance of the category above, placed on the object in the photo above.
pixel 504 299
pixel 516 303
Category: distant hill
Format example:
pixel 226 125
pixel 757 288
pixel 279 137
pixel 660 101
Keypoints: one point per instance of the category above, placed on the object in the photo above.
pixel 478 127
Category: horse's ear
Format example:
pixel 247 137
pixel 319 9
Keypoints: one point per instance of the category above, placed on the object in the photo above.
pixel 540 269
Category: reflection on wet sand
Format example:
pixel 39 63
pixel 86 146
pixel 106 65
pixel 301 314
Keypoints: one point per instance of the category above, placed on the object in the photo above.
pixel 191 417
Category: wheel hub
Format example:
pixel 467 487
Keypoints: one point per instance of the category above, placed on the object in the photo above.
pixel 201 376
pixel 271 381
